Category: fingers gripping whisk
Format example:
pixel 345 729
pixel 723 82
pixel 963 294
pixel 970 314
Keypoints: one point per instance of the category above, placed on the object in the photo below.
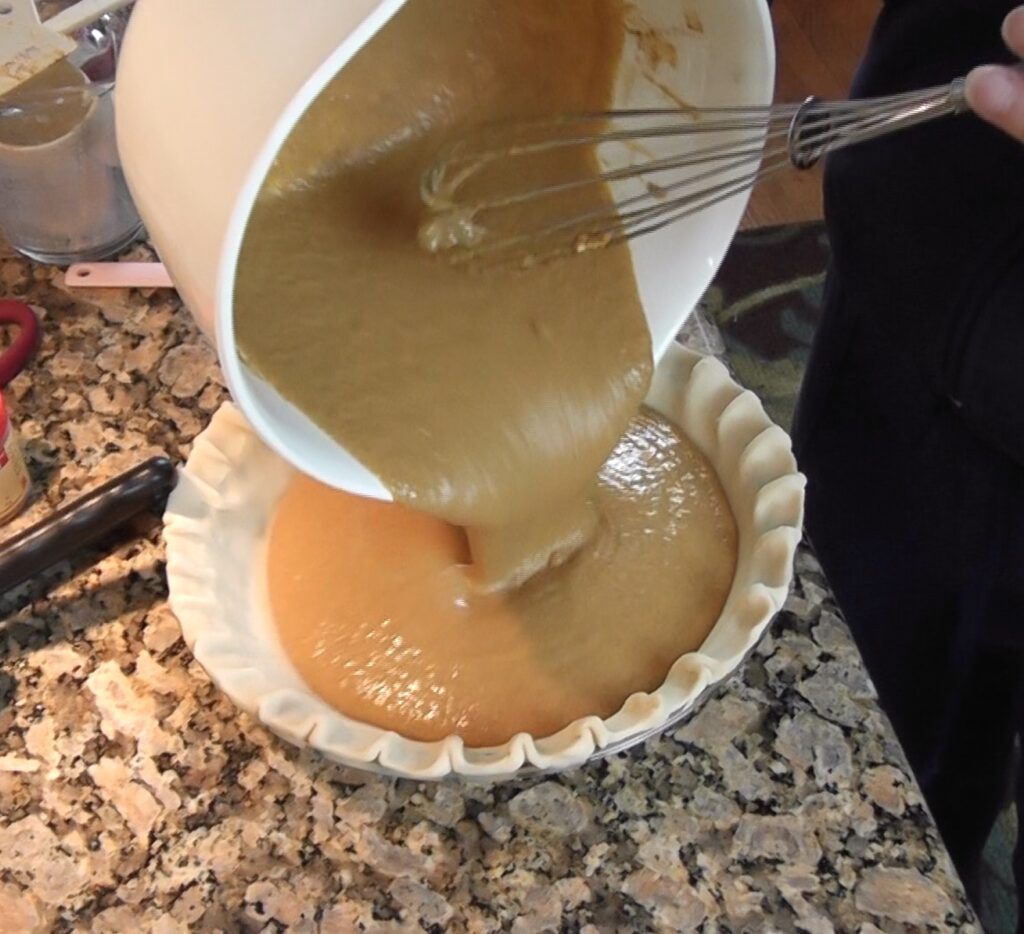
pixel 508 194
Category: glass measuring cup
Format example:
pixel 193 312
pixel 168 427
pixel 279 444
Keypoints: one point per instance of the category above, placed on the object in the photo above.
pixel 63 196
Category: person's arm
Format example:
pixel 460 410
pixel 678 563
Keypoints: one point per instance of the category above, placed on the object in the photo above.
pixel 996 92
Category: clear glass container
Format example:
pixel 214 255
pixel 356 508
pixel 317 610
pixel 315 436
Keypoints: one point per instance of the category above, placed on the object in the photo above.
pixel 63 196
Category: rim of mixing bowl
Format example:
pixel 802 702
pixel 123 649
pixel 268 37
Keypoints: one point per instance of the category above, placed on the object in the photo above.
pixel 289 430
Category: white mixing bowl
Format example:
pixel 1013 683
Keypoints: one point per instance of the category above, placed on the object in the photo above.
pixel 209 91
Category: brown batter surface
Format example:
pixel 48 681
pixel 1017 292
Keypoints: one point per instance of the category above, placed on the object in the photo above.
pixel 378 612
pixel 489 398
pixel 486 400
pixel 41 116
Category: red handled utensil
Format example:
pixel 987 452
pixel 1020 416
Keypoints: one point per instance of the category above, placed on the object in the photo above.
pixel 14 359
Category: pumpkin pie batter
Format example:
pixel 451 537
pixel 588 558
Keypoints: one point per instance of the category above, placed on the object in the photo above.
pixel 491 397
pixel 378 612
pixel 510 587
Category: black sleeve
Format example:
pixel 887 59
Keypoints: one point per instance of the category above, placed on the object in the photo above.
pixel 927 226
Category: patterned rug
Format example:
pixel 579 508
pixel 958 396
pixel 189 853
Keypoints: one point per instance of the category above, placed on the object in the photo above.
pixel 766 304
pixel 760 316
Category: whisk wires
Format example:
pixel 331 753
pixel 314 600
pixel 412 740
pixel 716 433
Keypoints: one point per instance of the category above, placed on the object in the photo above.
pixel 661 165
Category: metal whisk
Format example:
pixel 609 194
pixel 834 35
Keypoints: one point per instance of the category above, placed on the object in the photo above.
pixel 661 166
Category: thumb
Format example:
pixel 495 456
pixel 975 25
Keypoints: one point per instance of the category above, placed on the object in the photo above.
pixel 996 94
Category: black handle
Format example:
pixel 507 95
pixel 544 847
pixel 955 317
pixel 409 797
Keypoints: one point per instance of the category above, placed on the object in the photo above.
pixel 72 528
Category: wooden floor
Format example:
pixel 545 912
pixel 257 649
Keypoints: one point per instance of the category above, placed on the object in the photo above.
pixel 819 44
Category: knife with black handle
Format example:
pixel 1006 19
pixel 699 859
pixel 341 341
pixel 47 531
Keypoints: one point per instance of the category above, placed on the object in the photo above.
pixel 101 511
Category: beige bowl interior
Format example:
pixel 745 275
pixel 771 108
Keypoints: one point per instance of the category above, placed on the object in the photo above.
pixel 710 53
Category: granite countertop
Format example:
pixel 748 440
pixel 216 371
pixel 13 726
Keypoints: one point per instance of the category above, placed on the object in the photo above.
pixel 134 796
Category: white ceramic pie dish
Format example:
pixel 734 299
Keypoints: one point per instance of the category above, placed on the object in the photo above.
pixel 215 529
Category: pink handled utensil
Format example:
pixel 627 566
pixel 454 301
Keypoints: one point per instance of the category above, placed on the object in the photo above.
pixel 117 276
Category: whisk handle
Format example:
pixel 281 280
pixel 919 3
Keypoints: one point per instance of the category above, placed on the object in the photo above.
pixel 818 128
pixel 802 157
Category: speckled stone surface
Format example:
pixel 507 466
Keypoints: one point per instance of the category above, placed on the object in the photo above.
pixel 134 797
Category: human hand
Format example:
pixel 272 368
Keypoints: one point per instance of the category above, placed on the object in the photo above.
pixel 995 92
